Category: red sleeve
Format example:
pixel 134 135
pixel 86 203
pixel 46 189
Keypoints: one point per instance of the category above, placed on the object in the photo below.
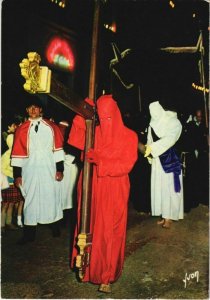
pixel 58 137
pixel 77 133
pixel 20 144
pixel 89 101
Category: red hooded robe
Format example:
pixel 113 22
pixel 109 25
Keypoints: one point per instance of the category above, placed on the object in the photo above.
pixel 116 148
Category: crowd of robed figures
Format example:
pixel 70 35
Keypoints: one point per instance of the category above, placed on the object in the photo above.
pixel 46 168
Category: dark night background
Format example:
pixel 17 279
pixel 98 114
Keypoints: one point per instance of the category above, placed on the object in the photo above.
pixel 144 26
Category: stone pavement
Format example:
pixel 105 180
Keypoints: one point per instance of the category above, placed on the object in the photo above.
pixel 160 263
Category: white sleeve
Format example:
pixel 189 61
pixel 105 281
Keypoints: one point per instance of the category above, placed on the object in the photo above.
pixel 149 136
pixel 17 162
pixel 59 155
pixel 163 144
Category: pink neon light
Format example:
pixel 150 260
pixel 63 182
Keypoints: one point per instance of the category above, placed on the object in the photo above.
pixel 60 47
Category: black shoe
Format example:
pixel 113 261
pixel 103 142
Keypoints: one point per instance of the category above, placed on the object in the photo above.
pixel 3 231
pixel 55 227
pixel 11 227
pixel 24 241
pixel 29 235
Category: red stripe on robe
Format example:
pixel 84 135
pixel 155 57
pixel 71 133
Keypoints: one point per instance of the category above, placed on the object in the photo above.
pixel 21 140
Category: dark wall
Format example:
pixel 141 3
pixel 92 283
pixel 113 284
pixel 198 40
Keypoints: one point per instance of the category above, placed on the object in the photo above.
pixel 144 26
pixel 28 25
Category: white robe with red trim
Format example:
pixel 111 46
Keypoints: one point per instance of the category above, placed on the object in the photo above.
pixel 43 193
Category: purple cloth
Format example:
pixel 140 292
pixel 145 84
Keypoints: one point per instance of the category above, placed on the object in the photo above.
pixel 171 163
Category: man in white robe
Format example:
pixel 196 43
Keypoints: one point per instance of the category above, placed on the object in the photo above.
pixel 165 200
pixel 37 158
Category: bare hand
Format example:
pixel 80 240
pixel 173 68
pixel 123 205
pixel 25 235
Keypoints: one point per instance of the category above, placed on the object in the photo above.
pixel 18 181
pixel 59 176
pixel 147 151
pixel 92 156
pixel 141 148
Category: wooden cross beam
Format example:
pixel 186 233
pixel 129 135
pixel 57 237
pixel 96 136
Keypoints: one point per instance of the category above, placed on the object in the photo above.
pixel 39 79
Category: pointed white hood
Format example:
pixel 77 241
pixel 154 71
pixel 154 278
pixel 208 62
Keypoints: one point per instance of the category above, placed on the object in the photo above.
pixel 161 119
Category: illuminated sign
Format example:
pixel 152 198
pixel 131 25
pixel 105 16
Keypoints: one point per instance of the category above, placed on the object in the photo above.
pixel 60 54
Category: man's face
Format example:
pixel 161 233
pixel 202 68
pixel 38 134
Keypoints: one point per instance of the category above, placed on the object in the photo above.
pixel 34 111
pixel 199 115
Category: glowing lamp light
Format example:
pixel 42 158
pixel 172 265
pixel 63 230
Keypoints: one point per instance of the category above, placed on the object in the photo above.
pixel 171 3
pixel 112 27
pixel 61 3
pixel 60 54
pixel 200 88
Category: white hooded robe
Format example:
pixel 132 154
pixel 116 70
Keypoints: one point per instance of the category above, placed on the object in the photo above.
pixel 165 201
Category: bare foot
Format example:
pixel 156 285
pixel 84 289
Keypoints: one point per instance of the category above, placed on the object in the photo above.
pixel 161 222
pixel 167 223
pixel 105 288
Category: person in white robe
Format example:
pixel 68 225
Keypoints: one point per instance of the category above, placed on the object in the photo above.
pixel 71 171
pixel 69 181
pixel 37 158
pixel 165 200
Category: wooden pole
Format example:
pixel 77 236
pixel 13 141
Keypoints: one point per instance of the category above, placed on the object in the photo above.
pixel 203 82
pixel 87 182
pixel 84 237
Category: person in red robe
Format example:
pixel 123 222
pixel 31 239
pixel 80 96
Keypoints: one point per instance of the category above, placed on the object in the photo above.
pixel 114 155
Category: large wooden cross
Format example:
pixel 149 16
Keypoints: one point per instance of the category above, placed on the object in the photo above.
pixel 39 79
